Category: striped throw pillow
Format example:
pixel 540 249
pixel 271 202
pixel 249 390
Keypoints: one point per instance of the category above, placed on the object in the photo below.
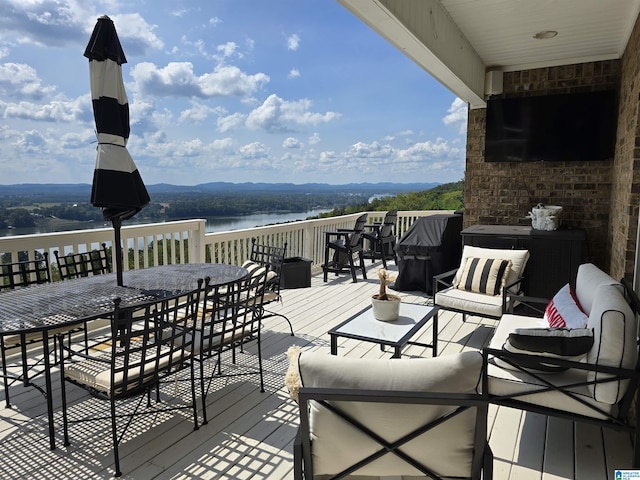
pixel 483 275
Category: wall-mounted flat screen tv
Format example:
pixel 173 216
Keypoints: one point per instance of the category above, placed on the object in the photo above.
pixel 552 128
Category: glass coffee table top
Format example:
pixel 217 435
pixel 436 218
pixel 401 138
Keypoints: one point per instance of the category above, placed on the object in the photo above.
pixel 363 326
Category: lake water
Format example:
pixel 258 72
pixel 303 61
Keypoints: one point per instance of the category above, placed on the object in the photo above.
pixel 214 224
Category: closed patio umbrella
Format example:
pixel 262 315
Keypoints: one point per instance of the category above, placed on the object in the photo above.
pixel 117 185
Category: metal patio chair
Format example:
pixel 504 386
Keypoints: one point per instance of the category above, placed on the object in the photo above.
pixel 147 344
pixel 231 317
pixel 18 275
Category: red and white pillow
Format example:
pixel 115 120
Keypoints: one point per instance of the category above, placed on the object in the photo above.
pixel 564 311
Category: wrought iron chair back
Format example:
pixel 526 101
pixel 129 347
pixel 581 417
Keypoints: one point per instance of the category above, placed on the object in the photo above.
pixel 272 259
pixel 25 273
pixel 147 344
pixel 18 275
pixel 231 317
pixel 76 265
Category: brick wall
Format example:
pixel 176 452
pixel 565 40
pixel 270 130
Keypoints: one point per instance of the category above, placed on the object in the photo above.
pixel 503 193
pixel 625 194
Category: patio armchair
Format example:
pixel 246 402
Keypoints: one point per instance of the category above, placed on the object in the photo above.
pixel 147 345
pixel 231 318
pixel 342 245
pixel 382 238
pixel 18 275
pixel 487 283
pixel 586 373
pixel 77 265
pixel 272 259
pixel 400 417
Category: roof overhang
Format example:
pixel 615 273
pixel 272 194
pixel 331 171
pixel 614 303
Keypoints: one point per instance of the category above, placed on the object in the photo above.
pixel 459 41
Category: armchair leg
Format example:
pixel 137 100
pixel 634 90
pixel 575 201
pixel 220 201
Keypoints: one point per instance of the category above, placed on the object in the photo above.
pixel 325 266
pixel 352 267
pixel 362 266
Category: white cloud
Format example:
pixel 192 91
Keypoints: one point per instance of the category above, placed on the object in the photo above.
pixel 314 139
pixel 294 73
pixel 227 49
pixel 291 142
pixel 53 111
pixel 253 150
pixel 178 79
pixel 278 115
pixel 21 79
pixel 196 114
pixel 230 122
pixel 457 116
pixel 293 42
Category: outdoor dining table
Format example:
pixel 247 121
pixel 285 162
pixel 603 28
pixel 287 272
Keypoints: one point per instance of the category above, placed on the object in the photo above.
pixel 42 308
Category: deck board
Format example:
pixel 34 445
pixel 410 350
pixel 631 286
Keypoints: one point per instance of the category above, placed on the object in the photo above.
pixel 250 434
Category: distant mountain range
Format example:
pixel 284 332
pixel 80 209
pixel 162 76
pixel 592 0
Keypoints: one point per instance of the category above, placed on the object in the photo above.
pixel 80 190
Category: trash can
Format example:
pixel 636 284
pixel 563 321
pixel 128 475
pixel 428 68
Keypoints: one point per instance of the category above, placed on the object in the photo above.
pixel 296 273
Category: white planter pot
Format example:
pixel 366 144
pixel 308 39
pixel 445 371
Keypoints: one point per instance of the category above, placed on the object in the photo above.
pixel 386 310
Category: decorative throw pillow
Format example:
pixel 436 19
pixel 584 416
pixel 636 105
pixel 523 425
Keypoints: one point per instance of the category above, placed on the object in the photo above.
pixel 483 275
pixel 563 310
pixel 567 344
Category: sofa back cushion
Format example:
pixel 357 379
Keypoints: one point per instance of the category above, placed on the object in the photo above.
pixel 614 331
pixel 447 449
pixel 518 260
pixel 588 279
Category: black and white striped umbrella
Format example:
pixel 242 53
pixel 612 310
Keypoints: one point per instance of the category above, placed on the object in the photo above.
pixel 117 185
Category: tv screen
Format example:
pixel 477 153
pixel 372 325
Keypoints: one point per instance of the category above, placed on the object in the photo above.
pixel 552 128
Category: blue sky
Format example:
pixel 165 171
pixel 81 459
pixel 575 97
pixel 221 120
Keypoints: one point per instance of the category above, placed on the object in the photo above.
pixel 224 90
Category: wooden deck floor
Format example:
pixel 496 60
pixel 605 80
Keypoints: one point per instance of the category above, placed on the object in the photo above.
pixel 250 434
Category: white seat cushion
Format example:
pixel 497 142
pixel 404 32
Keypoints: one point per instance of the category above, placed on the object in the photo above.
pixel 505 381
pixel 447 449
pixel 478 303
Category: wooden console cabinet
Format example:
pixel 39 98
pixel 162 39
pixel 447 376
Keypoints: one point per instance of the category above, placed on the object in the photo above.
pixel 554 256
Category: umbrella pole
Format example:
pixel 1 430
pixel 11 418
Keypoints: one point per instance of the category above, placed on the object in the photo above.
pixel 117 223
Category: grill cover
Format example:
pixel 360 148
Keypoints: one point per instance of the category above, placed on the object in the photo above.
pixel 431 246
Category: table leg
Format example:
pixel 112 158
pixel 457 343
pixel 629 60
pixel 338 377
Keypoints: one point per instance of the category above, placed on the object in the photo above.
pixel 49 389
pixel 397 352
pixel 334 344
pixel 435 335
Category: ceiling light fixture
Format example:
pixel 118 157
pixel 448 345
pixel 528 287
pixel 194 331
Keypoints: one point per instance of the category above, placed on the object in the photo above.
pixel 545 34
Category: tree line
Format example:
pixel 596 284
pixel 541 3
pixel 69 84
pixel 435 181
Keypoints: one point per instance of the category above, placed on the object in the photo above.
pixel 184 206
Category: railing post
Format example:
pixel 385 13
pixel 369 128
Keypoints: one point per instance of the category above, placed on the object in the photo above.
pixel 307 241
pixel 197 244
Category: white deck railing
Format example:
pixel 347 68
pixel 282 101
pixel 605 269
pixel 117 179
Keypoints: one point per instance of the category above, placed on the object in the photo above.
pixel 187 242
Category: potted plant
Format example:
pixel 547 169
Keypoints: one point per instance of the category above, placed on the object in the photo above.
pixel 386 306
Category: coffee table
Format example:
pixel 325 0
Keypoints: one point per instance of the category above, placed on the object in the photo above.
pixel 363 326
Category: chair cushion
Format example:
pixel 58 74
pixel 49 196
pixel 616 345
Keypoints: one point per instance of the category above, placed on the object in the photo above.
pixel 447 449
pixel 477 303
pixel 256 269
pixel 615 330
pixel 588 279
pixel 503 380
pixel 563 310
pixel 518 259
pixel 483 275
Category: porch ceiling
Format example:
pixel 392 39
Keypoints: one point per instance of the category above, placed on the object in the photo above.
pixel 457 41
